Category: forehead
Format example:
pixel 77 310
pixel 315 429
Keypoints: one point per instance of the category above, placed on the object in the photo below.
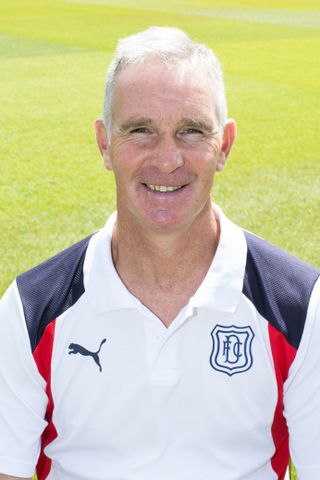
pixel 153 89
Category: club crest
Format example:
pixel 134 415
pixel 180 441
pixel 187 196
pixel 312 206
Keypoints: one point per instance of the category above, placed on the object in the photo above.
pixel 232 349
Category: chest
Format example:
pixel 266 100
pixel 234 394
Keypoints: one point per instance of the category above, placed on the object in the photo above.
pixel 144 401
pixel 126 372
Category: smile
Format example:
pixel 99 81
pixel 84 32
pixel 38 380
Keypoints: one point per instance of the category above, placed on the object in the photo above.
pixel 163 188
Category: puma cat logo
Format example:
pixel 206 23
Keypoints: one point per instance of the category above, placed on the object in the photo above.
pixel 75 348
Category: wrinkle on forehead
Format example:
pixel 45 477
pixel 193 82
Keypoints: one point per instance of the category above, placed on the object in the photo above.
pixel 156 73
pixel 186 93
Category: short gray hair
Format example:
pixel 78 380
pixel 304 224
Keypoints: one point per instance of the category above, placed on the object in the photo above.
pixel 170 46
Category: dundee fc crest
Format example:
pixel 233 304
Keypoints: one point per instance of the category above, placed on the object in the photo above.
pixel 232 349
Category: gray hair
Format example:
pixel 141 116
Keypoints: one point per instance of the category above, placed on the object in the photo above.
pixel 170 46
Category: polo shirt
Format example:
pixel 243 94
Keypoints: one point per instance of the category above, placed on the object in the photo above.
pixel 95 387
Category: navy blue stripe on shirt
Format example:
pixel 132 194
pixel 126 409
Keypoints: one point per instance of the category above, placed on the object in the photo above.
pixel 52 287
pixel 279 285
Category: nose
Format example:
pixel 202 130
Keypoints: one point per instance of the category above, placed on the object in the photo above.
pixel 167 155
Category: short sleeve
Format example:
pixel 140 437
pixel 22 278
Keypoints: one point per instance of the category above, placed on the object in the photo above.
pixel 302 396
pixel 23 399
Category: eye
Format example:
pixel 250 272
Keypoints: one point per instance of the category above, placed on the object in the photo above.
pixel 140 130
pixel 191 131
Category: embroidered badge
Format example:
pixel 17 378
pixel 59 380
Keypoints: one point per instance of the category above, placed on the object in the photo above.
pixel 232 349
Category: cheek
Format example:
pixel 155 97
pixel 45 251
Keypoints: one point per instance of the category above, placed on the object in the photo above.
pixel 205 160
pixel 212 157
pixel 126 162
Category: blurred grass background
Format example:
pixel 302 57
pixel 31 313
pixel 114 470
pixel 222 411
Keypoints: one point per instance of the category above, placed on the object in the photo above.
pixel 53 59
pixel 54 55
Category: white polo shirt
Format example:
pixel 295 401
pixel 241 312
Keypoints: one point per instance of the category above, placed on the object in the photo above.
pixel 95 387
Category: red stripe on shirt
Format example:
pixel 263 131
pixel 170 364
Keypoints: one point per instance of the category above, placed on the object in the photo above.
pixel 283 355
pixel 43 356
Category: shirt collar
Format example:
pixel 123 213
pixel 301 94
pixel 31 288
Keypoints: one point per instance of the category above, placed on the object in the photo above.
pixel 104 288
pixel 222 286
pixel 220 289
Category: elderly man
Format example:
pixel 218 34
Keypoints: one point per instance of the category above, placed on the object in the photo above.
pixel 170 345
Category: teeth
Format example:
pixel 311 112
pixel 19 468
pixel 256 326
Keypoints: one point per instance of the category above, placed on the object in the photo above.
pixel 163 188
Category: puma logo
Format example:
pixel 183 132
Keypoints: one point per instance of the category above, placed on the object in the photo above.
pixel 75 348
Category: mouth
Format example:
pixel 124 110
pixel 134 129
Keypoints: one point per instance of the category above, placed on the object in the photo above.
pixel 163 188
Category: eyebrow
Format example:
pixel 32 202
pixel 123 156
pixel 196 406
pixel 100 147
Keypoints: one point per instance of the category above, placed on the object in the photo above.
pixel 206 124
pixel 201 124
pixel 135 123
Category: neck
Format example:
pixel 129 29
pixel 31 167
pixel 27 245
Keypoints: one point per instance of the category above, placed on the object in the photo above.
pixel 147 259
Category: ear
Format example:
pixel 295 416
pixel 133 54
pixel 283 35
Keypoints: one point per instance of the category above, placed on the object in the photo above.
pixel 102 141
pixel 228 137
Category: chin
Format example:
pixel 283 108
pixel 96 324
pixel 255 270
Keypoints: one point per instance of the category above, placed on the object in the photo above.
pixel 167 223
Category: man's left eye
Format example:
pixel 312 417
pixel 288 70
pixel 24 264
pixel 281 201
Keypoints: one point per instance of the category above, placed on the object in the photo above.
pixel 188 131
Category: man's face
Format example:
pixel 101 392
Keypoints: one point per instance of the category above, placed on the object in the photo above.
pixel 164 147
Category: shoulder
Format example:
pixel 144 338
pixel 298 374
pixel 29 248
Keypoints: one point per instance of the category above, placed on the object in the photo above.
pixel 279 285
pixel 49 289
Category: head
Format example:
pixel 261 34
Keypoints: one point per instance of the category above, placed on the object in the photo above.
pixel 165 131
pixel 169 46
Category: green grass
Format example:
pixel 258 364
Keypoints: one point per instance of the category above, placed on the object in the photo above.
pixel 54 54
pixel 293 474
pixel 53 59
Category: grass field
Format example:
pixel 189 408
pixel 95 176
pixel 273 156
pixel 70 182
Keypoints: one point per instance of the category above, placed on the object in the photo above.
pixel 54 54
pixel 53 58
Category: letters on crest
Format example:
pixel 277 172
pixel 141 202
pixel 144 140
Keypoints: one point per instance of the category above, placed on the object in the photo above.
pixel 232 349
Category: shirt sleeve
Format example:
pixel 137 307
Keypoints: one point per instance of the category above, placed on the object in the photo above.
pixel 23 399
pixel 302 396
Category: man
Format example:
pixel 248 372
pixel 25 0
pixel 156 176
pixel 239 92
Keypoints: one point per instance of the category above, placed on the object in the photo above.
pixel 171 344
